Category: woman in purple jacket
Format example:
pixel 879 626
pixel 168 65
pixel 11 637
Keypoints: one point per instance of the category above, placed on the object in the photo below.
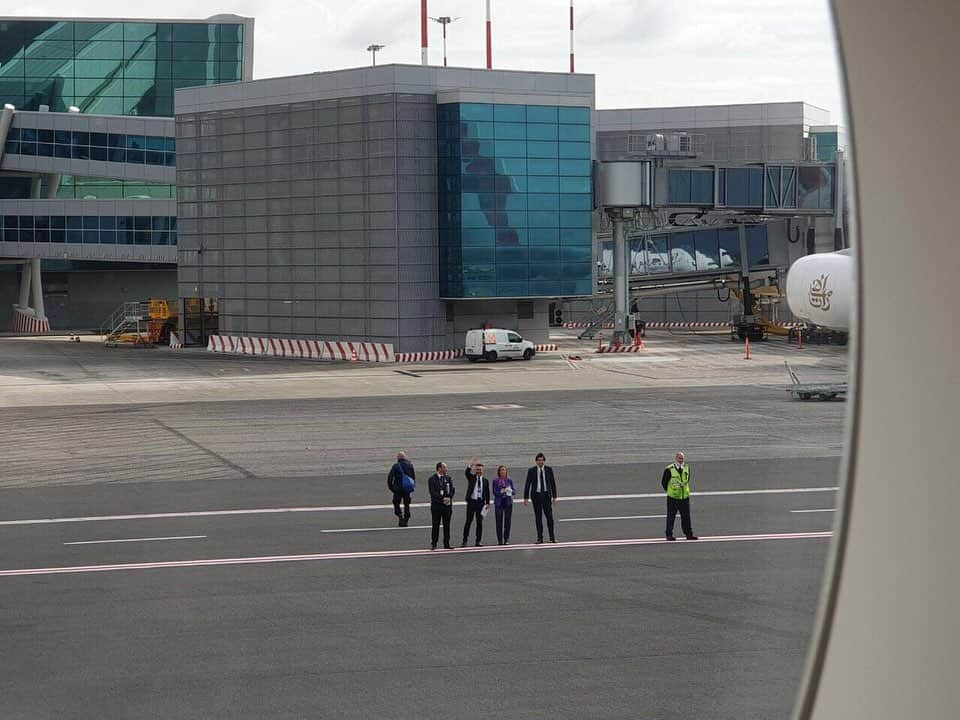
pixel 503 504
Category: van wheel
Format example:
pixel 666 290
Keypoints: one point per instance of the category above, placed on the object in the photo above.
pixel 527 354
pixel 490 356
pixel 472 358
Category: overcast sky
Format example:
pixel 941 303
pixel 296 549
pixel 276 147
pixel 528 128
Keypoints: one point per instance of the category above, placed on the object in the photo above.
pixel 645 53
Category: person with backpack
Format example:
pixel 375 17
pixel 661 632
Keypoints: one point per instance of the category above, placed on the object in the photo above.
pixel 401 481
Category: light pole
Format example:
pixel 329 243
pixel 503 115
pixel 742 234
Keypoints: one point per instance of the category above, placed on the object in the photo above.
pixel 373 49
pixel 445 20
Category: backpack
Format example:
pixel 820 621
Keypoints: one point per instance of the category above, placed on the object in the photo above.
pixel 399 481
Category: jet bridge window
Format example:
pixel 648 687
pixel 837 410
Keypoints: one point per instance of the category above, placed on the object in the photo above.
pixel 690 187
pixel 707 249
pixel 682 252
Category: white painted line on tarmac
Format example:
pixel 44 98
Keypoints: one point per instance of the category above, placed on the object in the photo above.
pixel 345 508
pixel 614 517
pixel 393 527
pixel 128 540
pixel 819 510
pixel 378 554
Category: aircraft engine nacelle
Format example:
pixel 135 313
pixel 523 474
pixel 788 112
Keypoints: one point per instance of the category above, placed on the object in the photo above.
pixel 820 289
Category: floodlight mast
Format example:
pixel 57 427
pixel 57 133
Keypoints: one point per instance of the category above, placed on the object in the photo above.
pixel 444 21
pixel 373 49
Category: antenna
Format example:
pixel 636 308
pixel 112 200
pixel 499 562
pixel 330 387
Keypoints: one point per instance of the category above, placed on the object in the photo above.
pixel 373 49
pixel 489 39
pixel 445 20
pixel 424 35
pixel 571 36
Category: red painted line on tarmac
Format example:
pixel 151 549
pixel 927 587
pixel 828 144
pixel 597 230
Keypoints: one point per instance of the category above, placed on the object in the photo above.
pixel 377 554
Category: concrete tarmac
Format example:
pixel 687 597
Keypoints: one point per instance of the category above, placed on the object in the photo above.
pixel 239 559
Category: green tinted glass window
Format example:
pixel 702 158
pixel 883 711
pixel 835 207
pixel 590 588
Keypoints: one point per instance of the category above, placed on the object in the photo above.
pixel 116 68
pixel 139 31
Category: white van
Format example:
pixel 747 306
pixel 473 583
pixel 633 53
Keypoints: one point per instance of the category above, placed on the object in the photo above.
pixel 496 344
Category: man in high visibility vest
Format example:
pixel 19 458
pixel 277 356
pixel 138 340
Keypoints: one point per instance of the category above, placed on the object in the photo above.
pixel 676 482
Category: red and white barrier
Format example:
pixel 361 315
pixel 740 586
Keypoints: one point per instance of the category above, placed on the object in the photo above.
pixel 575 325
pixel 26 323
pixel 175 342
pixel 684 325
pixel 548 347
pixel 305 349
pixel 621 349
pixel 429 356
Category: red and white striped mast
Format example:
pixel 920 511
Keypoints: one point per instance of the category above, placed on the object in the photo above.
pixel 423 32
pixel 571 36
pixel 489 39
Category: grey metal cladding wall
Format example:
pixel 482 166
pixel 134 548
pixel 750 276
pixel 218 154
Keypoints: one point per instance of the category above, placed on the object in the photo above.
pixel 315 219
pixel 751 143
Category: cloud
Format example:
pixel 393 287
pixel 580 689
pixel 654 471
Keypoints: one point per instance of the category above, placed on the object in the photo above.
pixel 643 52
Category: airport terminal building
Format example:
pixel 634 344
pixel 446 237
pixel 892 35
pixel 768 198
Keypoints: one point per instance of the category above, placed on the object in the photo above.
pixel 397 204
pixel 88 156
pixel 400 204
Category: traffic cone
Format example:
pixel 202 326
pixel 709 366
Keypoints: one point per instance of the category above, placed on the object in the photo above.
pixel 747 346
pixel 600 343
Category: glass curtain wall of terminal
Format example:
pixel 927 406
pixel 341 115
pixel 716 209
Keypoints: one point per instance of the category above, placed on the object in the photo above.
pixel 515 200
pixel 113 68
pixel 105 147
pixel 90 229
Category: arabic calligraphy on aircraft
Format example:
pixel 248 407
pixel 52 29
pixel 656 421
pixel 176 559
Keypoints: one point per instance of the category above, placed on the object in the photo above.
pixel 819 294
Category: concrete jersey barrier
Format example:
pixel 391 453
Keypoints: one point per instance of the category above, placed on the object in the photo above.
pixel 304 349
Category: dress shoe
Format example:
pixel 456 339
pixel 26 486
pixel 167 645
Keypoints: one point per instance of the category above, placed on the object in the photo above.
pixel 670 537
pixel 540 541
pixel 448 547
pixel 692 537
pixel 478 544
pixel 433 547
pixel 553 540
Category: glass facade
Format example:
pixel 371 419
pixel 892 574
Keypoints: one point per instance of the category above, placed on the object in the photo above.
pixel 90 229
pixel 741 187
pixel 515 200
pixel 828 142
pixel 689 251
pixel 690 187
pixel 107 147
pixel 113 68
pixel 84 188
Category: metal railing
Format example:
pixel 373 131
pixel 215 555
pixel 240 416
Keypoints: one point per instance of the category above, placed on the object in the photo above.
pixel 140 318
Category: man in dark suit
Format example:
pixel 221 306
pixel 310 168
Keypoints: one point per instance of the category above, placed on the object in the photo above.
pixel 478 495
pixel 542 487
pixel 441 505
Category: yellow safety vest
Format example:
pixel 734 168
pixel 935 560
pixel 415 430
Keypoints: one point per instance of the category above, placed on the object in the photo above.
pixel 679 486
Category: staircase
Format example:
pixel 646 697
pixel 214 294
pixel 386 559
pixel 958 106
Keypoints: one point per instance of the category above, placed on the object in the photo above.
pixel 128 323
pixel 603 311
pixel 141 322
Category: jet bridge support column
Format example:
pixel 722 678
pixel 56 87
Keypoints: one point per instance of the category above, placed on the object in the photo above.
pixel 621 276
pixel 745 275
pixel 839 240
pixel 623 187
